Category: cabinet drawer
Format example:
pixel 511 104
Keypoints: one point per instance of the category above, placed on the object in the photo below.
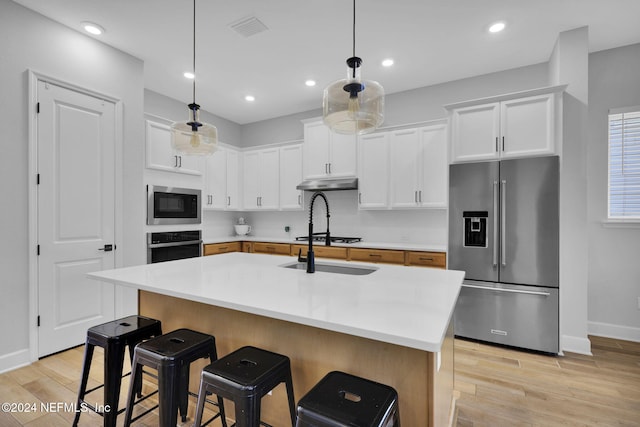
pixel 320 251
pixel 427 259
pixel 373 255
pixel 221 248
pixel 272 248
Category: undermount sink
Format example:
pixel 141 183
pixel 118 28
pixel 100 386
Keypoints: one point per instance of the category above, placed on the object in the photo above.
pixel 333 268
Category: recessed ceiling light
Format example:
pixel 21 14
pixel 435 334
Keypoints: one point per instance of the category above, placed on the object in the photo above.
pixel 92 28
pixel 189 75
pixel 497 27
pixel 387 62
pixel 310 83
pixel 250 98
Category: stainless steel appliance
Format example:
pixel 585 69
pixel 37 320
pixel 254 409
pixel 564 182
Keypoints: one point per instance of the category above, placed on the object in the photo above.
pixel 173 245
pixel 173 205
pixel 503 232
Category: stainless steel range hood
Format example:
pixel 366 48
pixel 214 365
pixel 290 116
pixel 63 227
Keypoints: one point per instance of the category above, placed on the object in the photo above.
pixel 329 184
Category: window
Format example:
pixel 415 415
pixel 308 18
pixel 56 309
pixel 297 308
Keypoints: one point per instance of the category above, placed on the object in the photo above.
pixel 624 164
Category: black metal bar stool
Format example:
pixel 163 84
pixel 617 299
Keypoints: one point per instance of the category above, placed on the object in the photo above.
pixel 113 337
pixel 171 356
pixel 244 377
pixel 344 400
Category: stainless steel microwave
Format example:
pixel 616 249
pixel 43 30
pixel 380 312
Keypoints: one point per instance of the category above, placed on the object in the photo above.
pixel 173 205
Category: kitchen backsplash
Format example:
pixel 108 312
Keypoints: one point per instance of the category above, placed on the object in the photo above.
pixel 419 226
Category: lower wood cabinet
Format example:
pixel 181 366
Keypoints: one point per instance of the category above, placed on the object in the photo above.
pixel 427 259
pixel 221 248
pixel 377 255
pixel 389 256
pixel 321 251
pixel 271 248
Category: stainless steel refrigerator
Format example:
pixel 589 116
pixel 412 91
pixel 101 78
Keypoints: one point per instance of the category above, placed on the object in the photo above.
pixel 503 232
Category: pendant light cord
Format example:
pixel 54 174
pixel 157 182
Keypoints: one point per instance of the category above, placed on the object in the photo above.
pixel 194 51
pixel 354 28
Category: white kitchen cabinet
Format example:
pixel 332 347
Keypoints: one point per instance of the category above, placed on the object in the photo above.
pixel 419 167
pixel 514 125
pixel 290 176
pixel 161 156
pixel 327 154
pixel 373 171
pixel 233 180
pixel 221 180
pixel 261 172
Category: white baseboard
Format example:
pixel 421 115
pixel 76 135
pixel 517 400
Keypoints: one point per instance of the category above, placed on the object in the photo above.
pixel 11 361
pixel 608 330
pixel 576 344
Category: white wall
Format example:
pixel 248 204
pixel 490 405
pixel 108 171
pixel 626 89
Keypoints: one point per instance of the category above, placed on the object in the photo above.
pixel 29 41
pixel 569 65
pixel 614 252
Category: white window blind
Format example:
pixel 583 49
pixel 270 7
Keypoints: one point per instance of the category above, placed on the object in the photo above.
pixel 624 165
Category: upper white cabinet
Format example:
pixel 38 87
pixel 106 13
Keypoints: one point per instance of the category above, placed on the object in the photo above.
pixel 221 180
pixel 373 171
pixel 418 171
pixel 161 156
pixel 261 183
pixel 290 176
pixel 327 154
pixel 515 125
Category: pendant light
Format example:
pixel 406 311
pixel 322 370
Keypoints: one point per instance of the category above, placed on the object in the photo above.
pixel 353 105
pixel 194 137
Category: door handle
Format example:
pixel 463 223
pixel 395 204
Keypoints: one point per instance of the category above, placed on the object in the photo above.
pixel 503 220
pixel 495 224
pixel 107 248
pixel 508 290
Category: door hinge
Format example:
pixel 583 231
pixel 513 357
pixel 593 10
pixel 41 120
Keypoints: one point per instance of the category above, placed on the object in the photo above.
pixel 37 108
pixel 38 250
pixel 38 320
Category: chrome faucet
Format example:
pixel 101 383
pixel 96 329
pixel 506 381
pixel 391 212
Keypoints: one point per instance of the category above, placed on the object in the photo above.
pixel 310 259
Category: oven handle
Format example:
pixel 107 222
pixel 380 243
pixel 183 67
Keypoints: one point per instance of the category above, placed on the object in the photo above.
pixel 170 244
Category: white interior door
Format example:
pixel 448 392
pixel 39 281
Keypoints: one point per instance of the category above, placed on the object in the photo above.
pixel 76 196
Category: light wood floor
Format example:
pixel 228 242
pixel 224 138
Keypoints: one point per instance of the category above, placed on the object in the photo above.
pixel 497 386
pixel 502 387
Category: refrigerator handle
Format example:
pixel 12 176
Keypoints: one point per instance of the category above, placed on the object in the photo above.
pixel 503 223
pixel 495 223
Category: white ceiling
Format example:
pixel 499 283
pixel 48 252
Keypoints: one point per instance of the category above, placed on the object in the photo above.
pixel 431 41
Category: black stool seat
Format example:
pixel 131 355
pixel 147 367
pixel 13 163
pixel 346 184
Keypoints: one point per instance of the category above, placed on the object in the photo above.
pixel 244 377
pixel 171 355
pixel 344 400
pixel 113 337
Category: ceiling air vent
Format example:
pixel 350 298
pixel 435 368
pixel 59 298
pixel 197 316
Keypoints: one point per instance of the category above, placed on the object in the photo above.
pixel 248 27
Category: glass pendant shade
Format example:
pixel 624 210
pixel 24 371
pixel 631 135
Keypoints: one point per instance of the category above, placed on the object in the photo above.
pixel 352 105
pixel 194 137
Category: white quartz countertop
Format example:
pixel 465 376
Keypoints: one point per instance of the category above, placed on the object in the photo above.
pixel 401 246
pixel 407 306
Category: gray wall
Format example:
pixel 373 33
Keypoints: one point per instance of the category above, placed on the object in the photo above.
pixel 412 106
pixel 29 41
pixel 614 252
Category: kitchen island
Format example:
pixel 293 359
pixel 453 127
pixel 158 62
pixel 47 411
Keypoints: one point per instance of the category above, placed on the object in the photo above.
pixel 393 325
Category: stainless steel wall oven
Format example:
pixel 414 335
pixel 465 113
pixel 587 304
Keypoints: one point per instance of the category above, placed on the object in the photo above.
pixel 173 245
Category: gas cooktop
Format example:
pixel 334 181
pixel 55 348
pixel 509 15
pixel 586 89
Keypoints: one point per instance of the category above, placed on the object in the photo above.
pixel 333 239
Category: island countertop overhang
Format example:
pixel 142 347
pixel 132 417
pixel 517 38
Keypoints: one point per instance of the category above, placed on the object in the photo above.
pixel 407 306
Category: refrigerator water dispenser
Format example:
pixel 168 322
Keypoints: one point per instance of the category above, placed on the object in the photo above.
pixel 475 228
